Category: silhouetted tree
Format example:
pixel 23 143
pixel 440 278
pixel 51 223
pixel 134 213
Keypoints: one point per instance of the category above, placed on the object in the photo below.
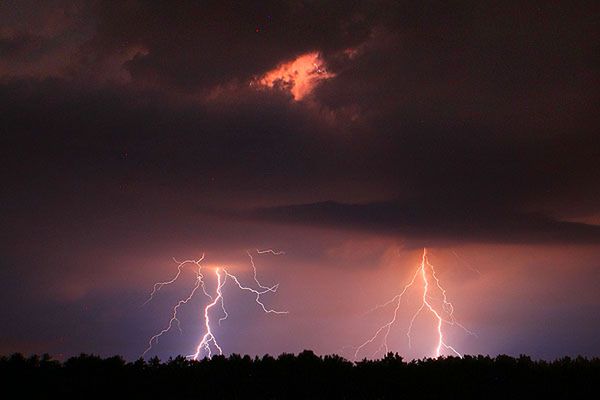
pixel 302 376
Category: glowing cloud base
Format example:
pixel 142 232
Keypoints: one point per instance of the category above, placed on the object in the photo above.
pixel 208 343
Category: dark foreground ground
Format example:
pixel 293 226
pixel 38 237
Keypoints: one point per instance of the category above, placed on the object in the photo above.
pixel 303 376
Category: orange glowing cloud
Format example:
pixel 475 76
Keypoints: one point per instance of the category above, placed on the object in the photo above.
pixel 299 76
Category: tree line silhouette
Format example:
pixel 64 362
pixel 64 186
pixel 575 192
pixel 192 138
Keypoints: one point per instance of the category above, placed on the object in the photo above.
pixel 302 376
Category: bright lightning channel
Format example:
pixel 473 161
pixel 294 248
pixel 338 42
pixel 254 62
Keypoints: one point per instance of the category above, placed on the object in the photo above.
pixel 442 316
pixel 208 343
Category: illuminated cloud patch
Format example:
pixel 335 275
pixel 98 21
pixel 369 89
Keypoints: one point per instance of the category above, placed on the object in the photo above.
pixel 299 76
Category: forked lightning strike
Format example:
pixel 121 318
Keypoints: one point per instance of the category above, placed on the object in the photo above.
pixel 208 336
pixel 209 342
pixel 158 285
pixel 444 316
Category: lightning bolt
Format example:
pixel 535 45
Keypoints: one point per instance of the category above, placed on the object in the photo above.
pixel 174 320
pixel 208 336
pixel 270 251
pixel 158 285
pixel 208 343
pixel 426 272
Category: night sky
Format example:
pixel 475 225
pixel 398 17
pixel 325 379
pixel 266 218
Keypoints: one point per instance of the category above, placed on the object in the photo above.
pixel 349 135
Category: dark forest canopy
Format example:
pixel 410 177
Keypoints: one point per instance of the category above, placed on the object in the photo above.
pixel 302 376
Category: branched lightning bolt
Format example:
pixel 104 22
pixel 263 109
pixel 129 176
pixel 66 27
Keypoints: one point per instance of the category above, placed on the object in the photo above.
pixel 258 293
pixel 208 336
pixel 158 285
pixel 208 342
pixel 199 284
pixel 174 319
pixel 268 289
pixel 444 316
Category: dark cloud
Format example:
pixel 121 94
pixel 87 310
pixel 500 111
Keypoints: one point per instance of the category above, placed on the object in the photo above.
pixel 487 111
pixel 20 46
pixel 74 133
pixel 434 224
pixel 201 44
pixel 465 113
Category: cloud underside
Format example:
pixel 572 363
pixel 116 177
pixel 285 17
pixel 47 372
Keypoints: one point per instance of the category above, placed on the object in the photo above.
pixel 489 121
pixel 420 225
